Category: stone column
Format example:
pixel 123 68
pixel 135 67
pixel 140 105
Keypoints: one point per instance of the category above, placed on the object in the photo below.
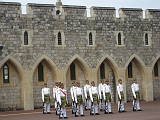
pixel 27 90
pixel 93 76
pixel 148 84
pixel 61 77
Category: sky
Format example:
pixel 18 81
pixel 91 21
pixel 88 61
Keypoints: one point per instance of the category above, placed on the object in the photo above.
pixel 143 4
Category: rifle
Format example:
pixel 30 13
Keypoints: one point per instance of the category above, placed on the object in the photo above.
pixel 76 110
pixel 102 108
pixel 60 112
pixel 106 108
pixel 120 105
pixel 43 108
pixel 134 105
pixel 73 108
pixel 92 109
pixel 57 109
pixel 86 105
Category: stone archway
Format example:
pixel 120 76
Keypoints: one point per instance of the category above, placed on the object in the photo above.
pixel 110 67
pixel 49 75
pixel 137 72
pixel 11 93
pixel 156 78
pixel 81 73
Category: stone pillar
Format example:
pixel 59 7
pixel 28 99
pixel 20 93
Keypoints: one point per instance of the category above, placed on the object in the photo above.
pixel 61 77
pixel 93 76
pixel 148 83
pixel 27 90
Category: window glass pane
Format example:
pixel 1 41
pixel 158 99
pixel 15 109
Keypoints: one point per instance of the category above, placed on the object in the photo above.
pixel 90 39
pixel 5 74
pixel 59 39
pixel 102 71
pixel 119 38
pixel 146 39
pixel 25 38
pixel 130 71
pixel 156 69
pixel 40 73
pixel 72 72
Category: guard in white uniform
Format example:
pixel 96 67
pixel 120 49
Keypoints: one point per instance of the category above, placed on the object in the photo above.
pixel 100 90
pixel 72 90
pixel 79 99
pixel 55 89
pixel 107 95
pixel 120 91
pixel 93 92
pixel 62 100
pixel 46 99
pixel 136 96
pixel 87 97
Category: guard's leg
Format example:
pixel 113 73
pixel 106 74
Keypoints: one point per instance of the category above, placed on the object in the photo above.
pixel 48 108
pixel 81 109
pixel 45 107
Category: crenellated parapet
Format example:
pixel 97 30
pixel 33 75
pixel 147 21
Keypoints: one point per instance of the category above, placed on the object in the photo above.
pixel 75 12
pixel 40 10
pixel 152 14
pixel 10 9
pixel 131 14
pixel 103 13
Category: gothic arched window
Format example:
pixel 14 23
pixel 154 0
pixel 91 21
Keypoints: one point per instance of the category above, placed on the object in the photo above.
pixel 90 39
pixel 5 73
pixel 59 39
pixel 72 72
pixel 40 73
pixel 146 39
pixel 130 75
pixel 119 39
pixel 156 69
pixel 25 38
pixel 102 71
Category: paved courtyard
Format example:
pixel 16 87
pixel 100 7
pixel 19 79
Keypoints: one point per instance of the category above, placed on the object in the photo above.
pixel 151 111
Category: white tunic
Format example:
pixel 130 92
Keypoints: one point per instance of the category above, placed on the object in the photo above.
pixel 45 91
pixel 86 89
pixel 107 89
pixel 61 93
pixel 93 90
pixel 72 90
pixel 119 89
pixel 55 90
pixel 135 88
pixel 100 89
pixel 79 91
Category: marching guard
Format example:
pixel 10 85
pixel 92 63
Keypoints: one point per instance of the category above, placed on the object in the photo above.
pixel 62 100
pixel 87 97
pixel 136 96
pixel 46 99
pixel 100 90
pixel 55 89
pixel 120 96
pixel 107 97
pixel 93 92
pixel 72 91
pixel 79 99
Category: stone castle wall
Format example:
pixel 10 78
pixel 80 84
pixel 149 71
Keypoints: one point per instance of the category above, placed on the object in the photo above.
pixel 42 23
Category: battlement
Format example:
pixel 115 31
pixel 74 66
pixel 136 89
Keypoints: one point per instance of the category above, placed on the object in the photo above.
pixel 103 13
pixel 79 12
pixel 153 14
pixel 133 14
